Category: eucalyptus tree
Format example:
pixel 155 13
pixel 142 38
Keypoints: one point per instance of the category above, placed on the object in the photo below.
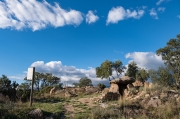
pixel 171 56
pixel 108 67
pixel 161 76
pixel 132 70
pixel 5 83
pixel 142 75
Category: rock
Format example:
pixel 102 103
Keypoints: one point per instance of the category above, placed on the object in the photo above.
pixel 155 97
pixel 36 114
pixel 129 86
pixel 118 85
pixel 154 102
pixel 178 99
pixel 147 96
pixel 110 96
pixel 52 90
pixel 126 92
pixel 123 80
pixel 105 91
pixel 148 85
pixel 68 94
pixel 163 95
pixel 91 90
pixel 138 84
pixel 176 95
pixel 114 88
pixel 49 117
pixel 103 105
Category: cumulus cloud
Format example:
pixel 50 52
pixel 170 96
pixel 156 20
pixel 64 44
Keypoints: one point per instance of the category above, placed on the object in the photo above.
pixel 67 73
pixel 147 60
pixel 119 13
pixel 91 17
pixel 33 14
pixel 161 9
pixel 153 13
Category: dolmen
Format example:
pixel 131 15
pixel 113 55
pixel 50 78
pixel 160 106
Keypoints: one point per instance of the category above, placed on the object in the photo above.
pixel 117 87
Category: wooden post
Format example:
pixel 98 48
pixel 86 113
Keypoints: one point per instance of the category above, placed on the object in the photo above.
pixel 32 88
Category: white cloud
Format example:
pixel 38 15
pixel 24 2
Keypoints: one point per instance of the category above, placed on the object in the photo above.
pixel 153 13
pixel 91 17
pixel 20 14
pixel 67 73
pixel 119 13
pixel 148 60
pixel 161 9
pixel 19 77
pixel 161 1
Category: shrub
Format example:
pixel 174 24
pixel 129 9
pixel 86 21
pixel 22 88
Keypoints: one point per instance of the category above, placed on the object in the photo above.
pixel 101 86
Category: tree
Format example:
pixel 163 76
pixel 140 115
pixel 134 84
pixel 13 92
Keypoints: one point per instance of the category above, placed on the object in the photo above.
pixel 142 75
pixel 101 86
pixel 6 88
pixel 5 83
pixel 132 70
pixel 162 76
pixel 24 86
pixel 83 82
pixel 75 84
pixel 106 69
pixel 171 57
pixel 37 79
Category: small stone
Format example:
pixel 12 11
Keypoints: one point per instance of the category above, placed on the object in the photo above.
pixel 147 95
pixel 176 96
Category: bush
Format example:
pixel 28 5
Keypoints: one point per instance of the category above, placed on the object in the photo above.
pixel 101 86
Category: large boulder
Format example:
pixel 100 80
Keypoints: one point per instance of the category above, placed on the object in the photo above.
pixel 123 80
pixel 114 88
pixel 138 84
pixel 91 89
pixel 36 114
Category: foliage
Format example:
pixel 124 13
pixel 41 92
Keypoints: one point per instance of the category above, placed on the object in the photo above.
pixel 24 86
pixel 83 82
pixel 45 79
pixel 106 69
pixel 132 70
pixel 23 95
pixel 171 57
pixel 101 86
pixel 75 84
pixel 142 75
pixel 162 76
pixel 5 83
pixel 7 88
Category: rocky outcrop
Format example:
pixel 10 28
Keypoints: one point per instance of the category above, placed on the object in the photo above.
pixel 105 91
pixel 52 90
pixel 110 96
pixel 154 102
pixel 138 84
pixel 123 80
pixel 91 89
pixel 36 114
pixel 69 94
pixel 120 84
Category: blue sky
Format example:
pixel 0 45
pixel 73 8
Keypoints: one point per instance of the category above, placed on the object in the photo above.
pixel 70 38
